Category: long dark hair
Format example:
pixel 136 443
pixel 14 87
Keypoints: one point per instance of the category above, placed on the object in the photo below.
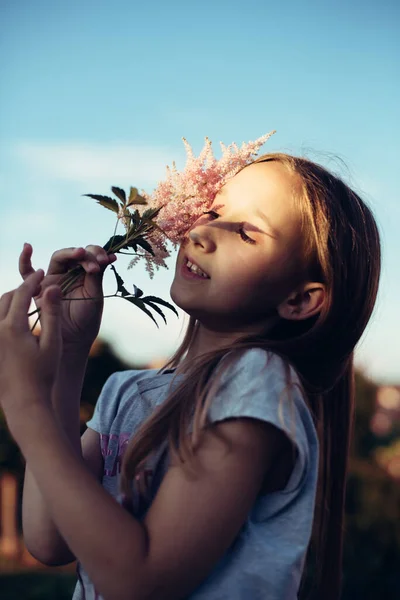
pixel 341 250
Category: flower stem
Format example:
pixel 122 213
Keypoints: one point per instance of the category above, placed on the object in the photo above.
pixel 73 275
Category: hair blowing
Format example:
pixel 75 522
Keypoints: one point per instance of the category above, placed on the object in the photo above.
pixel 342 250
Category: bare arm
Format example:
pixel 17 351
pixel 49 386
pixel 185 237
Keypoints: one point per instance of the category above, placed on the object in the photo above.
pixel 191 522
pixel 42 537
pixel 80 325
pixel 189 526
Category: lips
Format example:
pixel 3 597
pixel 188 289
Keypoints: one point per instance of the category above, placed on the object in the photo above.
pixel 192 268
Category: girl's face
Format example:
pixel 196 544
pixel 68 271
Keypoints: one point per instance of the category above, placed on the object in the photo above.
pixel 248 248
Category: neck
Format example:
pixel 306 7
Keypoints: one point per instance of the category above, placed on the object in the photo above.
pixel 207 339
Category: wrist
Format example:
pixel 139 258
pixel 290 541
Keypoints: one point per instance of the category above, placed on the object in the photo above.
pixel 76 350
pixel 25 407
pixel 27 430
pixel 67 389
pixel 73 361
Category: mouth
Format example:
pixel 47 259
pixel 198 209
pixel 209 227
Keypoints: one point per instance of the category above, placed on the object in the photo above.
pixel 192 270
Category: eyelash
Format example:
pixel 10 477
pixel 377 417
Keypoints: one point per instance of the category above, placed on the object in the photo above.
pixel 240 231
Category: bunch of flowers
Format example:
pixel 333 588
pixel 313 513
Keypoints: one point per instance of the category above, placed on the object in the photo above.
pixel 184 195
pixel 150 220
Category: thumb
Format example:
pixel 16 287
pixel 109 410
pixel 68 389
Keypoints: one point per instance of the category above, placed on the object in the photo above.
pixel 50 336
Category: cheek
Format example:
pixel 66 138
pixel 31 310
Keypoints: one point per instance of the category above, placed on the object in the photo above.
pixel 180 255
pixel 263 283
pixel 244 286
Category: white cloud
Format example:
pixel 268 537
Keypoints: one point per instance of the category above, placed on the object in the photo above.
pixel 85 163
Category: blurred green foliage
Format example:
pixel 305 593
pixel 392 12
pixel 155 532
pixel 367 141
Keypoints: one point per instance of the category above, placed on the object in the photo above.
pixel 11 459
pixel 37 586
pixel 372 534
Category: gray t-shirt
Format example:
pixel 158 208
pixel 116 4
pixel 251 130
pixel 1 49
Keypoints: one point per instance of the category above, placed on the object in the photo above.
pixel 266 559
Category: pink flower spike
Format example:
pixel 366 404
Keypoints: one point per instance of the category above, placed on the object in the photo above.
pixel 185 195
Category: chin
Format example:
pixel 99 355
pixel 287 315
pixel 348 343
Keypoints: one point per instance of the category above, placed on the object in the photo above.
pixel 178 298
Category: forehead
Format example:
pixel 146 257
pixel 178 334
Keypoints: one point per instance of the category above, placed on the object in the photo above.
pixel 268 187
pixel 264 179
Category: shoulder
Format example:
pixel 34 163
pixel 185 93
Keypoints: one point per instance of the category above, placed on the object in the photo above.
pixel 266 361
pixel 122 382
pixel 130 376
pixel 256 370
pixel 255 380
pixel 117 391
pixel 260 385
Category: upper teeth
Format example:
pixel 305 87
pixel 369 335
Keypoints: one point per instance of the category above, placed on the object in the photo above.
pixel 195 269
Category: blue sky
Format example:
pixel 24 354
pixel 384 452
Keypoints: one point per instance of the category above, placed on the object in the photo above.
pixel 95 94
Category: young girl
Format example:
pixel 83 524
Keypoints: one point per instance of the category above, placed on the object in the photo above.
pixel 200 480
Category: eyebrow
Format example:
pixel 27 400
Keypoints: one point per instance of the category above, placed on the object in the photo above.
pixel 272 231
pixel 250 227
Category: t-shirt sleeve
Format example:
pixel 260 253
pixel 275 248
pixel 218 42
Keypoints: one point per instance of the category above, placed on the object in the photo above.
pixel 107 404
pixel 259 385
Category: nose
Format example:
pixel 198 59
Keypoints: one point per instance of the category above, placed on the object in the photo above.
pixel 203 238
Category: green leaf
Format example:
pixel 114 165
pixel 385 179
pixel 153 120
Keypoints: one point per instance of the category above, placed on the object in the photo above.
pixel 119 193
pixel 140 200
pixel 140 241
pixel 162 302
pixel 150 213
pixel 136 216
pixel 121 241
pixel 135 197
pixel 132 196
pixel 156 308
pixel 131 244
pixel 137 292
pixel 116 240
pixel 105 201
pixel 135 221
pixel 120 283
pixel 140 304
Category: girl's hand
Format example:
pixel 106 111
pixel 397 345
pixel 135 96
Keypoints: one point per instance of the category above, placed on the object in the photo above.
pixel 28 363
pixel 80 318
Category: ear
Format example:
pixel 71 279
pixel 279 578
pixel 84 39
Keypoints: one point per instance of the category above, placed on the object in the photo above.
pixel 306 301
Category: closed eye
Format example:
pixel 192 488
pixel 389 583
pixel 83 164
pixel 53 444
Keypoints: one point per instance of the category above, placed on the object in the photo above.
pixel 245 237
pixel 214 215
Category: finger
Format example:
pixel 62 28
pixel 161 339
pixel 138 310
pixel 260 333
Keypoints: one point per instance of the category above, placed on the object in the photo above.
pixel 93 281
pixel 62 260
pixel 97 259
pixel 95 262
pixel 21 300
pixel 5 303
pixel 50 336
pixel 24 263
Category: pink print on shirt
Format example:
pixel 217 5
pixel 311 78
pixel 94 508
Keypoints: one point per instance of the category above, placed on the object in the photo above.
pixel 107 445
pixel 112 449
